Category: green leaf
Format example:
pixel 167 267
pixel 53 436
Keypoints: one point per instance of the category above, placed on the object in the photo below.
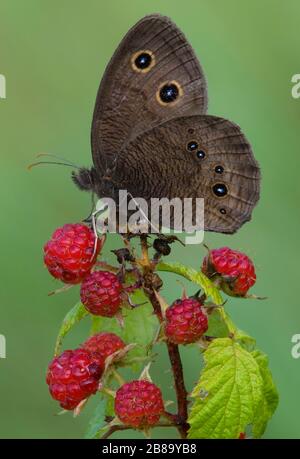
pixel 246 341
pixel 216 325
pixel 194 276
pixel 270 396
pixel 233 388
pixel 97 425
pixel 73 317
pixel 140 326
pixel 97 421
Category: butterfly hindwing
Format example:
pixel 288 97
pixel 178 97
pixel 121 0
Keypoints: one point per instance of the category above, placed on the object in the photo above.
pixel 198 156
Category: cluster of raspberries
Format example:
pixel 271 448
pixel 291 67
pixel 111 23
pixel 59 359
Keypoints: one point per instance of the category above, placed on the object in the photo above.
pixel 74 376
pixel 70 255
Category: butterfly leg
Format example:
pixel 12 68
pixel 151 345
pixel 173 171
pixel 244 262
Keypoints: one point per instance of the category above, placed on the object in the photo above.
pixel 131 303
pixel 153 227
pixel 94 226
pixel 88 219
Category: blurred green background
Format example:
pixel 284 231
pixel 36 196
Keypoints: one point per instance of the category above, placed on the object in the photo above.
pixel 53 54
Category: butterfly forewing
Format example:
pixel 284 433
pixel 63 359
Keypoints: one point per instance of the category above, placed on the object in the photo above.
pixel 153 76
pixel 198 156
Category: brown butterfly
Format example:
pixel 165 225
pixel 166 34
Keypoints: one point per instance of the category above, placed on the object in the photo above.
pixel 151 136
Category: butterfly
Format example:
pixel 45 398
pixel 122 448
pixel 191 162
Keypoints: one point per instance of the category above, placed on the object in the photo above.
pixel 151 134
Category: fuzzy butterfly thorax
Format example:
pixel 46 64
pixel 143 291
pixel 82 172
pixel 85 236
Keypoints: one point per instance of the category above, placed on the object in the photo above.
pixel 90 180
pixel 151 134
pixel 85 179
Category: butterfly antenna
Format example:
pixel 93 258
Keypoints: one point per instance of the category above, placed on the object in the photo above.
pixel 60 162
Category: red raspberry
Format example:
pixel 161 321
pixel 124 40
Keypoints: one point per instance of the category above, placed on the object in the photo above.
pixel 69 253
pixel 234 269
pixel 186 321
pixel 139 404
pixel 72 377
pixel 101 293
pixel 103 345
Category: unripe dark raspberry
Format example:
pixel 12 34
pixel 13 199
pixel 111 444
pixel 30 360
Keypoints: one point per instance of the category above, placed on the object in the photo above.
pixel 69 254
pixel 123 255
pixel 72 377
pixel 139 404
pixel 234 270
pixel 101 293
pixel 102 345
pixel 186 321
pixel 161 246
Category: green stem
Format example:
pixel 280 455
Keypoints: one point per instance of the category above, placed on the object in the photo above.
pixel 228 322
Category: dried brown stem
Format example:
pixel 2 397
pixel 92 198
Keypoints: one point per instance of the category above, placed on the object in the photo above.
pixel 181 393
pixel 176 364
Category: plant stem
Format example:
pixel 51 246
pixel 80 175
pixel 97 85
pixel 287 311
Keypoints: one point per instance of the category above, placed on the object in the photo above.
pixel 176 364
pixel 118 377
pixel 181 391
pixel 173 350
